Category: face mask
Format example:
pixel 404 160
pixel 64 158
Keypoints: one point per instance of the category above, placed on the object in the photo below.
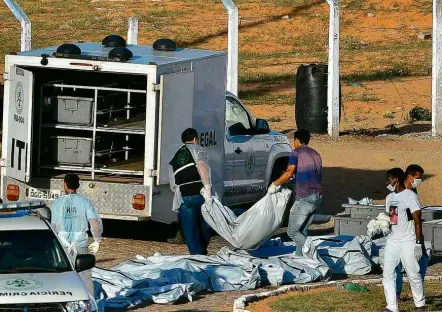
pixel 391 187
pixel 416 183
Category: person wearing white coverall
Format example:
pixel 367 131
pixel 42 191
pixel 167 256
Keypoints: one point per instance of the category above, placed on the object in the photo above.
pixel 190 180
pixel 71 215
pixel 414 174
pixel 404 243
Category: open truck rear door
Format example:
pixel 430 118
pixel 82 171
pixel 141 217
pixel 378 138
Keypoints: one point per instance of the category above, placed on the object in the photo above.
pixel 18 161
pixel 175 115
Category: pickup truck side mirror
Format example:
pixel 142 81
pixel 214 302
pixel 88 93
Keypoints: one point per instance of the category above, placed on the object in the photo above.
pixel 262 126
pixel 84 262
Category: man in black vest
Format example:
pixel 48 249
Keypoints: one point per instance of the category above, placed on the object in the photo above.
pixel 189 178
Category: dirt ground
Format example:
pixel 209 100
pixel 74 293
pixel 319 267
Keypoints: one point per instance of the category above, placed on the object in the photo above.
pixel 368 107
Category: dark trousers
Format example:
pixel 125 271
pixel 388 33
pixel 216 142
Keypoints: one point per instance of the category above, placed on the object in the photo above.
pixel 196 231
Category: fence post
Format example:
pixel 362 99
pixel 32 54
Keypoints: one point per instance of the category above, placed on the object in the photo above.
pixel 25 24
pixel 232 46
pixel 132 32
pixel 333 70
pixel 436 83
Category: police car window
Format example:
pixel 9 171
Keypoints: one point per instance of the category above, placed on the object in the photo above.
pixel 237 118
pixel 31 252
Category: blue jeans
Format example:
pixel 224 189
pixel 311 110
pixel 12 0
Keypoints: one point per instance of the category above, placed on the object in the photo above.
pixel 195 230
pixel 423 265
pixel 301 216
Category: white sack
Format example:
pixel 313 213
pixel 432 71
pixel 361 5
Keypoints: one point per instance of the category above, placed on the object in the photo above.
pixel 254 226
pixel 379 227
pixel 365 201
pixel 343 254
pixel 166 279
pixel 278 270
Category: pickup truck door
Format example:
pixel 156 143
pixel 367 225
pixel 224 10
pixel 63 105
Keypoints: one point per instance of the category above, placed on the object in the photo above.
pixel 229 167
pixel 248 176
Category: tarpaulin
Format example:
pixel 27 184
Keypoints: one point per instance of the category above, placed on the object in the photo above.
pixel 166 279
pixel 251 228
pixel 343 254
pixel 283 269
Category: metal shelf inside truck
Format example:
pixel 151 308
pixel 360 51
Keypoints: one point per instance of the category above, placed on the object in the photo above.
pixel 90 169
pixel 106 114
pixel 124 129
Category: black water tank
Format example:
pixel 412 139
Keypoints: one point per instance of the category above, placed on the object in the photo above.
pixel 311 98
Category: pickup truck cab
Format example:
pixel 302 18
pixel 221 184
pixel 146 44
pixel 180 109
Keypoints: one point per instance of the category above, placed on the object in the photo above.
pixel 254 155
pixel 36 273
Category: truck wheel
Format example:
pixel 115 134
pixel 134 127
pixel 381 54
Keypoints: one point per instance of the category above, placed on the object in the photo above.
pixel 176 235
pixel 278 169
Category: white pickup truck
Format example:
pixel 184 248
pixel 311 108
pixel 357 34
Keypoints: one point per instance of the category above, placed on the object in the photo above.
pixel 114 113
pixel 36 273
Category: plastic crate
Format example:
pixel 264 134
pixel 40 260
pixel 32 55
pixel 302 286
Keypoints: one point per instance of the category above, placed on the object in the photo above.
pixel 431 213
pixel 71 109
pixel 360 211
pixel 432 231
pixel 346 225
pixel 71 150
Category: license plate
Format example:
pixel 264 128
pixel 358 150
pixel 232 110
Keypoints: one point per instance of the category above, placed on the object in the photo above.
pixel 44 194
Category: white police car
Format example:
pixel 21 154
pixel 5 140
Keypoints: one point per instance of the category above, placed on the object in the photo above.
pixel 36 274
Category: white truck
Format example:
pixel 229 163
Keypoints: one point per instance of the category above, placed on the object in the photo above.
pixel 114 113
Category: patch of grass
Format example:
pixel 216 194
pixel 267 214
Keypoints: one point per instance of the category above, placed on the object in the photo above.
pixel 419 114
pixel 275 119
pixel 387 74
pixel 424 6
pixel 262 55
pixel 270 98
pixel 311 41
pixel 331 299
pixel 389 115
pixel 396 47
pixel 265 78
pixel 354 4
pixel 249 39
pixel 372 8
pixel 368 98
pixel 352 43
pixel 349 48
pixel 286 3
pixel 427 7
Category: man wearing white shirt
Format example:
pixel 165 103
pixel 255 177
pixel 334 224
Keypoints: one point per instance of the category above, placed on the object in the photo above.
pixel 404 244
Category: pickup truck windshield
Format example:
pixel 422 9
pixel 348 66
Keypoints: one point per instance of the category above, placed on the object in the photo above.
pixel 31 251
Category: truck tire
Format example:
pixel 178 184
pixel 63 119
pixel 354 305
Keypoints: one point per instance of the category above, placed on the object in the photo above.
pixel 278 168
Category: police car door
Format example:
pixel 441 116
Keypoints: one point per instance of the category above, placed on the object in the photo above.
pixel 246 178
pixel 18 124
